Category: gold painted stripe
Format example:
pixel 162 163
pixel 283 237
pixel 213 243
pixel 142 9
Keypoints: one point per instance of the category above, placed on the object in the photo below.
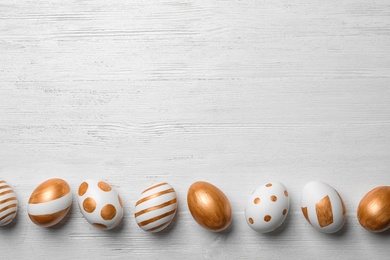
pixel 8 207
pixel 159 226
pixel 9 221
pixel 7 215
pixel 6 192
pixel 155 195
pixel 5 186
pixel 7 200
pixel 49 190
pixel 151 220
pixel 49 220
pixel 154 186
pixel 155 207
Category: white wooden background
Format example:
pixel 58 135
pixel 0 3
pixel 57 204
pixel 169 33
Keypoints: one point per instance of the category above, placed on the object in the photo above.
pixel 235 93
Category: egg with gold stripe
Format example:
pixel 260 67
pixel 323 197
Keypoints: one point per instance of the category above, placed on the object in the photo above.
pixel 156 207
pixel 50 202
pixel 323 207
pixel 100 204
pixel 8 203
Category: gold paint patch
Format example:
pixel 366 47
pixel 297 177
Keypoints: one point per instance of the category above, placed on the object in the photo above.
pixel 6 192
pixel 159 226
pixel 286 193
pixel 104 186
pixel 267 218
pixel 274 198
pixel 83 188
pixel 120 201
pixel 165 204
pixel 342 204
pixel 155 195
pixel 9 207
pixel 7 215
pixel 284 212
pixel 49 220
pixel 154 186
pixel 304 211
pixel 257 201
pixel 268 185
pixel 251 220
pixel 324 212
pixel 7 200
pixel 89 205
pixel 100 226
pixel 49 190
pixel 108 212
pixel 146 222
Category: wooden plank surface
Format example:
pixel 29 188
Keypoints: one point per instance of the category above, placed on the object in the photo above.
pixel 236 93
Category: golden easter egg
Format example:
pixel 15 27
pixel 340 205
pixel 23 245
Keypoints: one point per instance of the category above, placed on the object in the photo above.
pixel 50 202
pixel 209 206
pixel 374 209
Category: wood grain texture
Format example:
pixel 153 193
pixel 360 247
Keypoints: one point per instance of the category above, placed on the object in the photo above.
pixel 236 93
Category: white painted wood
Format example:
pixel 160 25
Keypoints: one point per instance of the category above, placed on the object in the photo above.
pixel 232 92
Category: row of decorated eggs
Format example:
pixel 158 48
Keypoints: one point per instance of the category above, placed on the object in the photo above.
pixel 266 209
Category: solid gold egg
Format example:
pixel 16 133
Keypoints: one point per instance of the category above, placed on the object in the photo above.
pixel 374 209
pixel 209 206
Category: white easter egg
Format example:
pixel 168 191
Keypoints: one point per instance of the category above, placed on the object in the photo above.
pixel 323 207
pixel 8 203
pixel 50 202
pixel 100 204
pixel 156 207
pixel 267 207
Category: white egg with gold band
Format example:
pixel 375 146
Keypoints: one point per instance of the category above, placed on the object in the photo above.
pixel 8 203
pixel 50 202
pixel 156 207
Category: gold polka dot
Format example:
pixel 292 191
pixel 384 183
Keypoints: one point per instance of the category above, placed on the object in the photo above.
pixel 286 193
pixel 274 198
pixel 268 185
pixel 284 212
pixel 101 226
pixel 257 201
pixel 120 201
pixel 108 212
pixel 251 220
pixel 104 186
pixel 89 205
pixel 83 188
pixel 267 218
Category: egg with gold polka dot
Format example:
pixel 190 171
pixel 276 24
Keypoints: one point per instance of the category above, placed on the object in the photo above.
pixel 100 204
pixel 267 207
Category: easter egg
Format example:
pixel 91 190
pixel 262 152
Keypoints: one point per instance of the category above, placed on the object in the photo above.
pixel 50 202
pixel 156 207
pixel 8 203
pixel 267 207
pixel 374 210
pixel 209 206
pixel 323 207
pixel 100 204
